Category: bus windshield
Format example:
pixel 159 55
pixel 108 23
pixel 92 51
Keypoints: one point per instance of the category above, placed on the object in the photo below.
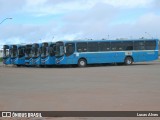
pixel 6 51
pixel 21 52
pixel 44 51
pixel 13 51
pixel 28 51
pixel 59 49
pixel 51 50
pixel 35 50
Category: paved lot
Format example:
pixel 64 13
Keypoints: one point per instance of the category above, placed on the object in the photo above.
pixel 106 88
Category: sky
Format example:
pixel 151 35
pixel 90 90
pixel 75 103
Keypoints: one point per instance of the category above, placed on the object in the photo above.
pixel 52 20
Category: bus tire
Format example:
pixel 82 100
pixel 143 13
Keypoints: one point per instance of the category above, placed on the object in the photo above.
pixel 128 61
pixel 82 63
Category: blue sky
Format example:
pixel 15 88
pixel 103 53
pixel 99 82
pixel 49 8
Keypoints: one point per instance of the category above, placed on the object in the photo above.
pixel 52 20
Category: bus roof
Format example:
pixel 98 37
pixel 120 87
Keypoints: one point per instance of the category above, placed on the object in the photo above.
pixel 103 40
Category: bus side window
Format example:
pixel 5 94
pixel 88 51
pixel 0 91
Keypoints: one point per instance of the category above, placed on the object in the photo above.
pixel 139 45
pixel 116 46
pixel 82 47
pixel 70 48
pixel 150 45
pixel 128 45
pixel 104 46
pixel 92 46
pixel 129 48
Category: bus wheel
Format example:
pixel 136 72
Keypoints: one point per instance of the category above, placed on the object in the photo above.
pixel 82 63
pixel 128 61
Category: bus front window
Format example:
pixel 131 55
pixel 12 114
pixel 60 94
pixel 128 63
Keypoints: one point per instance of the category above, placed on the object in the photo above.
pixel 59 50
pixel 28 51
pixel 52 50
pixel 44 51
pixel 47 51
pixel 13 53
pixel 21 52
pixel 6 51
pixel 35 52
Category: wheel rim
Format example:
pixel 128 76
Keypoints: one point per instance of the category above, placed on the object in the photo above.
pixel 82 63
pixel 129 61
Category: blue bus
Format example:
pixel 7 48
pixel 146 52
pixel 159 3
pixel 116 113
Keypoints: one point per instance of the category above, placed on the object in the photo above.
pixel 48 53
pixel 6 54
pixel 20 56
pixel 36 54
pixel 106 51
pixel 28 54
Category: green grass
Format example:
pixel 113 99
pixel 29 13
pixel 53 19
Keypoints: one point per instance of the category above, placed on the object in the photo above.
pixel 1 59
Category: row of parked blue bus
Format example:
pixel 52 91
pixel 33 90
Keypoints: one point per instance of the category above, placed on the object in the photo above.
pixel 29 54
pixel 81 52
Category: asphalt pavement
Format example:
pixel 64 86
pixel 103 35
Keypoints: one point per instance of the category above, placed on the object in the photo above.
pixel 94 88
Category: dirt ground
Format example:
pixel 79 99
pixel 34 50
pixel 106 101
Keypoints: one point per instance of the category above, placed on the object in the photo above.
pixel 98 88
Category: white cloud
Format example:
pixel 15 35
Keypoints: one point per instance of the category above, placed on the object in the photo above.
pixel 150 23
pixel 48 7
pixel 44 8
pixel 51 7
pixel 35 2
pixel 26 33
pixel 7 7
pixel 72 36
pixel 79 19
pixel 146 26
pixel 128 3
